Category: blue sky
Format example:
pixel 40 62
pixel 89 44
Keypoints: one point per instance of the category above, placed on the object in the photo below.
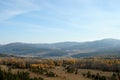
pixel 49 21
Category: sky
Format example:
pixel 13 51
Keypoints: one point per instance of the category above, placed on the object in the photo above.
pixel 50 21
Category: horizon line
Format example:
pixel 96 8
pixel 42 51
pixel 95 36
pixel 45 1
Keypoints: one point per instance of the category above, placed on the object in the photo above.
pixel 58 41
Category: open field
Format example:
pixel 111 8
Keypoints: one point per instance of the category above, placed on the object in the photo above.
pixel 67 69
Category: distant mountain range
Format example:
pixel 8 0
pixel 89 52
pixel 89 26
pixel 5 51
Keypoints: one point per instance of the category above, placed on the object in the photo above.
pixel 63 49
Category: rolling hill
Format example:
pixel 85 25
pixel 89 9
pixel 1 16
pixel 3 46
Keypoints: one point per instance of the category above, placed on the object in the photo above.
pixel 64 49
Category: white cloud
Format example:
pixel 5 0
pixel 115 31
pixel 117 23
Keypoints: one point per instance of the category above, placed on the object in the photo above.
pixel 15 7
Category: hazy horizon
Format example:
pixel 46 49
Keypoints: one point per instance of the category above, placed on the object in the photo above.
pixel 58 42
pixel 51 21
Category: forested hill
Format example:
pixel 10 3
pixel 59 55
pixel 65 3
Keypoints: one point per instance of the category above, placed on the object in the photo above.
pixel 64 49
